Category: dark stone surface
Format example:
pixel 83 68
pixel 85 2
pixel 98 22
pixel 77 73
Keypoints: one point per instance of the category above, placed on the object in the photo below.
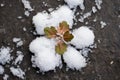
pixel 98 68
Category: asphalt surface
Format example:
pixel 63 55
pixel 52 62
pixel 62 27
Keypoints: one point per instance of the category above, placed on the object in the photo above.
pixel 104 61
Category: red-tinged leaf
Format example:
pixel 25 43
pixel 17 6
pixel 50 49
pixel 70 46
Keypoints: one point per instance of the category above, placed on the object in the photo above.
pixel 68 36
pixel 50 32
pixel 63 27
pixel 60 48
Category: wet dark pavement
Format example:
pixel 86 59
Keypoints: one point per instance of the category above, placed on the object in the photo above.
pixel 104 61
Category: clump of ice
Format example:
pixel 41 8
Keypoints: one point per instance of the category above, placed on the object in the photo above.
pixel 94 10
pixel 27 13
pixel 98 3
pixel 74 59
pixel 5 55
pixel 103 24
pixel 86 15
pixel 27 7
pixel 17 72
pixel 75 3
pixel 18 42
pixel 1 70
pixel 5 77
pixel 44 54
pixel 19 58
pixel 26 4
pixel 83 37
pixel 43 19
pixel 24 29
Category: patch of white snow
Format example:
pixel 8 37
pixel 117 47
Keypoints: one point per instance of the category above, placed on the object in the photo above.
pixel 74 59
pixel 5 55
pixel 83 37
pixel 44 57
pixel 75 3
pixel 98 3
pixel 43 19
pixel 103 24
pixel 5 77
pixel 17 72
pixel 1 69
pixel 18 42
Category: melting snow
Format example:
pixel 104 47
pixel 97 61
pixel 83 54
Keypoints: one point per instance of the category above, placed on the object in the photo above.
pixel 27 7
pixel 5 55
pixel 26 4
pixel 75 3
pixel 18 42
pixel 1 70
pixel 98 3
pixel 17 72
pixel 19 57
pixel 94 10
pixel 5 77
pixel 103 24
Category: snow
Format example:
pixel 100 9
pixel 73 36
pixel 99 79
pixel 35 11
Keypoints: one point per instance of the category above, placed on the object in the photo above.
pixel 119 26
pixel 19 58
pixel 18 42
pixel 94 10
pixel 26 4
pixel 103 24
pixel 44 57
pixel 2 5
pixel 75 3
pixel 85 52
pixel 17 72
pixel 5 77
pixel 74 59
pixel 24 29
pixel 98 3
pixel 1 70
pixel 83 37
pixel 16 39
pixel 86 15
pixel 43 19
pixel 4 55
pixel 19 17
pixel 27 13
pixel 27 7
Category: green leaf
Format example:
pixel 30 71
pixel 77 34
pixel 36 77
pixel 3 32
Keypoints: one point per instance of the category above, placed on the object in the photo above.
pixel 50 32
pixel 60 48
pixel 63 27
pixel 68 36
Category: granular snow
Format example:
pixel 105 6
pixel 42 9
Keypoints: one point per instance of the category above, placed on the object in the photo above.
pixel 17 72
pixel 1 70
pixel 103 24
pixel 44 57
pixel 19 58
pixel 43 19
pixel 18 42
pixel 98 3
pixel 75 3
pixel 5 77
pixel 26 4
pixel 74 59
pixel 5 55
pixel 83 37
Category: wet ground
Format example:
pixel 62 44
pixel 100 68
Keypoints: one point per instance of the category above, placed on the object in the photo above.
pixel 104 61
